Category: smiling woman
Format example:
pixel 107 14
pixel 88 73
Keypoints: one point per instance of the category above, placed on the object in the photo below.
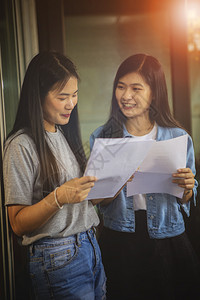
pixel 59 103
pixel 134 98
pixel 144 246
pixel 44 188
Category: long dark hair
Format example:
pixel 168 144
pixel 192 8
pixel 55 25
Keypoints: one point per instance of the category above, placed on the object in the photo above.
pixel 151 71
pixel 45 70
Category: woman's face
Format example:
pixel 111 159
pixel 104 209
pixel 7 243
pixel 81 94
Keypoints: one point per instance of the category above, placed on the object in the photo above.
pixel 58 105
pixel 133 95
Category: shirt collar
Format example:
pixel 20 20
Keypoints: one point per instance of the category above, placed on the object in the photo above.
pixel 127 134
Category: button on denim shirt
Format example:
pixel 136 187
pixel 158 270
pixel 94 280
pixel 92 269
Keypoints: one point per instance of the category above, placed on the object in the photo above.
pixel 164 216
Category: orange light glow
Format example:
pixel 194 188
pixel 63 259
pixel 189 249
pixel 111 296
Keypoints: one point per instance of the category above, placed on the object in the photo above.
pixel 193 26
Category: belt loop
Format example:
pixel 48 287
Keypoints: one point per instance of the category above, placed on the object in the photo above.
pixel 91 232
pixel 31 249
pixel 78 239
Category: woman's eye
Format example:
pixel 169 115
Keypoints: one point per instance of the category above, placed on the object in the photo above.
pixel 75 95
pixel 120 87
pixel 62 99
pixel 136 89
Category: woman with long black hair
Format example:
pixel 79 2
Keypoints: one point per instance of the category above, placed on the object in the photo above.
pixel 43 164
pixel 146 252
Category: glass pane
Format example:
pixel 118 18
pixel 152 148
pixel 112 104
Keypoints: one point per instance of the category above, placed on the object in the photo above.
pixel 98 44
pixel 193 16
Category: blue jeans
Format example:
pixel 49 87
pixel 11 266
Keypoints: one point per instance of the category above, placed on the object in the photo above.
pixel 67 268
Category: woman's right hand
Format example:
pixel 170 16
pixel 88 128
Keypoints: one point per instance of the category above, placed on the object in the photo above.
pixel 75 190
pixel 25 219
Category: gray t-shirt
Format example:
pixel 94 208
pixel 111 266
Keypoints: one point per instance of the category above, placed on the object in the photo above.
pixel 22 185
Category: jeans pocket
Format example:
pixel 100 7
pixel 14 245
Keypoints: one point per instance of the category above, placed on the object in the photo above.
pixel 59 256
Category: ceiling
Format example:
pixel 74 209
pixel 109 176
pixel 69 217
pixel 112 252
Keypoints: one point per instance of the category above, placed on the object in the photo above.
pixel 82 7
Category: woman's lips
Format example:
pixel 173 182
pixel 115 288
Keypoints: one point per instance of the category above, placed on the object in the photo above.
pixel 65 115
pixel 128 106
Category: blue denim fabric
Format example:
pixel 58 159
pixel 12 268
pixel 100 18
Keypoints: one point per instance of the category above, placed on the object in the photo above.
pixel 164 216
pixel 67 268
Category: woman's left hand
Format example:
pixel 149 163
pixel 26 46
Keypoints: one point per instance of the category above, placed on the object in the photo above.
pixel 185 179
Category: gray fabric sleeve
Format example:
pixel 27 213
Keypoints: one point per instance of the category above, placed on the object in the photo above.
pixel 19 166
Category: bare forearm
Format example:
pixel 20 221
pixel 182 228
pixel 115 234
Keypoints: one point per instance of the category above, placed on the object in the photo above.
pixel 25 219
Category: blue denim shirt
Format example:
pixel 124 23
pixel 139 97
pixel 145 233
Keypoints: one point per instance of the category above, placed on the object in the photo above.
pixel 164 217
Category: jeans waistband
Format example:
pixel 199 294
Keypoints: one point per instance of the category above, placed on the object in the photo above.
pixel 49 241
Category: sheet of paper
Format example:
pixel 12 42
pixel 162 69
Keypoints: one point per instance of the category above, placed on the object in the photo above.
pixel 155 172
pixel 113 161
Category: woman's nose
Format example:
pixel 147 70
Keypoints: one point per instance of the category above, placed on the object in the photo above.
pixel 128 94
pixel 69 104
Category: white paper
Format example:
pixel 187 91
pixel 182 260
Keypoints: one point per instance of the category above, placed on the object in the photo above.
pixel 155 172
pixel 113 161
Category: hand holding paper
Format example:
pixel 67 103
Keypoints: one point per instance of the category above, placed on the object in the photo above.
pixel 185 179
pixel 155 173
pixel 113 161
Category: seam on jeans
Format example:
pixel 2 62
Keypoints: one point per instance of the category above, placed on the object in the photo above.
pixel 43 246
pixel 49 285
pixel 66 263
pixel 104 290
pixel 95 253
pixel 36 259
pixel 71 241
pixel 34 290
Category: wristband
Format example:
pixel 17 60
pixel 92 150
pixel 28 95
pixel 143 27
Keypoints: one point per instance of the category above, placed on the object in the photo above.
pixel 56 200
